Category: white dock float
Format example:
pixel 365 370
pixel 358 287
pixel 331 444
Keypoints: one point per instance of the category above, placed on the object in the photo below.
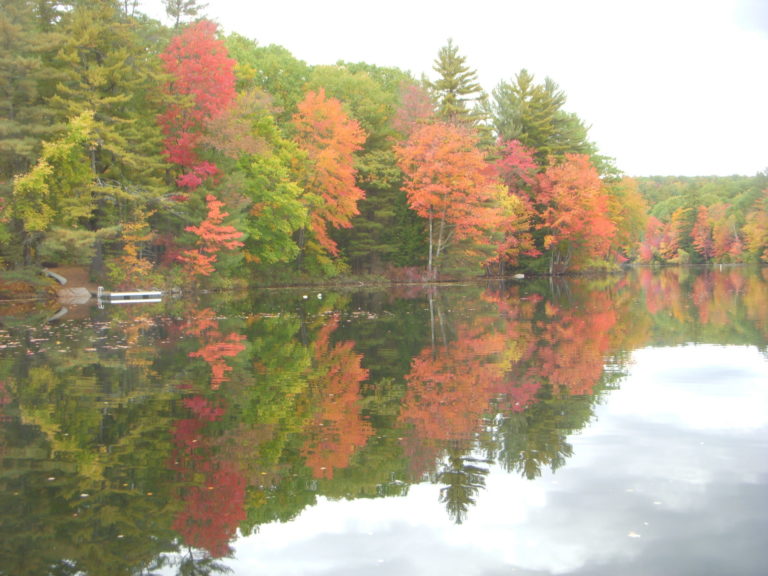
pixel 142 296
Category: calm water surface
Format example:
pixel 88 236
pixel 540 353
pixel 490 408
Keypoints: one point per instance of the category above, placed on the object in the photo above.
pixel 612 426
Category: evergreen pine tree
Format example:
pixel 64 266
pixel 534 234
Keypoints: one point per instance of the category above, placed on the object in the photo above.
pixel 456 87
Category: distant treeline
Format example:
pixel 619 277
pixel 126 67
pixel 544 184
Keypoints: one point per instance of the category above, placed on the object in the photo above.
pixel 159 155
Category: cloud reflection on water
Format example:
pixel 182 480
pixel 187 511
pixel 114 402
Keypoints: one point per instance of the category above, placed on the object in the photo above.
pixel 670 478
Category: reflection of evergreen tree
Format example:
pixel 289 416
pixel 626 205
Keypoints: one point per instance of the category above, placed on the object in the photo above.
pixel 200 563
pixel 463 477
pixel 537 438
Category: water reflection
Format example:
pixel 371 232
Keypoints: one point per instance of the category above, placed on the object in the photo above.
pixel 148 440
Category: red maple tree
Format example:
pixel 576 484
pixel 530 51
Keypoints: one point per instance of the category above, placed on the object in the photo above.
pixel 201 86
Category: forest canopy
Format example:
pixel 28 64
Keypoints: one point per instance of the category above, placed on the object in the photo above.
pixel 167 156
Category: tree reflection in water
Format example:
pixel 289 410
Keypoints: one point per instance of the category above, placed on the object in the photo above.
pixel 136 444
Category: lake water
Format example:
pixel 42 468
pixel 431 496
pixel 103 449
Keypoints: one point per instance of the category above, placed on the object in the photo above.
pixel 613 426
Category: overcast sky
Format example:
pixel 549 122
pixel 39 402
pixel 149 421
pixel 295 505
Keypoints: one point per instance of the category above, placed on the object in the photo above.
pixel 670 87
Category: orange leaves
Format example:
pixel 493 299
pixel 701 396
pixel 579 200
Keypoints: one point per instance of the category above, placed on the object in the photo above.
pixel 216 346
pixel 212 237
pixel 330 138
pixel 576 206
pixel 337 430
pixel 446 174
pixel 448 182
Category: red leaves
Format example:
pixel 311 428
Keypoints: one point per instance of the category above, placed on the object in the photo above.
pixel 216 346
pixel 201 87
pixel 215 352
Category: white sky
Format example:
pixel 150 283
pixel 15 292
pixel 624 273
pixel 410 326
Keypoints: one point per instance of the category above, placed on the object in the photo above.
pixel 670 87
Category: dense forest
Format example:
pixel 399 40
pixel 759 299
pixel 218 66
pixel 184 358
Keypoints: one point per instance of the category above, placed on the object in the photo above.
pixel 179 155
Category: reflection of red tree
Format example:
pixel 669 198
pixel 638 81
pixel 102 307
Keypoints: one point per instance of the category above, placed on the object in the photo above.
pixel 213 508
pixel 338 429
pixel 214 489
pixel 215 352
pixel 216 346
pixel 713 294
pixel 5 396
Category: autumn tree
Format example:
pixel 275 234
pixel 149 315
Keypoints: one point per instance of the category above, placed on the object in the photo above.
pixel 201 87
pixel 673 238
pixel 364 99
pixel 211 238
pixel 574 210
pixel 628 210
pixel 652 237
pixel 330 139
pixel 756 229
pixel 449 184
pixel 415 107
pixel 132 266
pixel 272 69
pixel 516 169
pixel 337 430
pixel 702 234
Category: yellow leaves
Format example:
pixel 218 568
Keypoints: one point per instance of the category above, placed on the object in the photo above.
pixel 50 190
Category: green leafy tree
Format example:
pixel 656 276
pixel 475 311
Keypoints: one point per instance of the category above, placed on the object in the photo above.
pixel 56 189
pixel 272 69
pixel 275 211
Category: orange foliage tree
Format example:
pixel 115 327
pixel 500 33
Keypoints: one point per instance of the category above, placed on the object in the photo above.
pixel 575 214
pixel 212 237
pixel 702 234
pixel 330 139
pixel 449 183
